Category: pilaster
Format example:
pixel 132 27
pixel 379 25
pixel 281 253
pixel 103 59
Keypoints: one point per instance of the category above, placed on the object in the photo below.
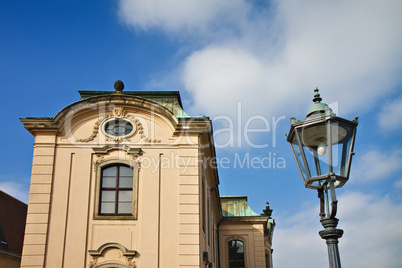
pixel 35 240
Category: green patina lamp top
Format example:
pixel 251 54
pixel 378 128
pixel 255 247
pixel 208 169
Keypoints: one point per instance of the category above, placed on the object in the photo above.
pixel 318 106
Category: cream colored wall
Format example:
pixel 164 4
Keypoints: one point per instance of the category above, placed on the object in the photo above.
pixel 209 239
pixel 167 231
pixel 252 234
pixel 33 254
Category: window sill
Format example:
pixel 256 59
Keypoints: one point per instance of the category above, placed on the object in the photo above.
pixel 114 217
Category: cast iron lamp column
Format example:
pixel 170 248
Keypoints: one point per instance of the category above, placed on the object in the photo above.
pixel 322 145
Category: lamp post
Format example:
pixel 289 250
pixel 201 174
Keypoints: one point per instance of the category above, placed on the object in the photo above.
pixel 322 145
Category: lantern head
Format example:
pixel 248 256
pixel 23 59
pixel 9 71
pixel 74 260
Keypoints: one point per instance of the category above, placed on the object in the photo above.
pixel 322 145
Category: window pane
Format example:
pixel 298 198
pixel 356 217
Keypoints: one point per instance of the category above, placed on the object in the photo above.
pixel 124 208
pixel 126 171
pixel 110 171
pixel 126 182
pixel 118 128
pixel 129 128
pixel 107 207
pixel 108 196
pixel 236 254
pixel 125 196
pixel 109 127
pixel 239 245
pixel 108 181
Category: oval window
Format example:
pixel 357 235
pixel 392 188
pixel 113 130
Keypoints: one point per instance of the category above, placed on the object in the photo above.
pixel 119 127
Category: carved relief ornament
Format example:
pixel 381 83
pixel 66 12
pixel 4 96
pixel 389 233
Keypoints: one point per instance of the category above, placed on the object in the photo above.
pixel 118 113
pixel 132 153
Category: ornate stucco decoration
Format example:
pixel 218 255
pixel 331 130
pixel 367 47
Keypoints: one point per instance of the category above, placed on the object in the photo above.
pixel 99 158
pixel 140 130
pixel 100 260
pixel 118 113
pixel 94 133
pixel 101 152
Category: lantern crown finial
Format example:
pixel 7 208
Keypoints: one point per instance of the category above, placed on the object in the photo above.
pixel 317 97
pixel 318 106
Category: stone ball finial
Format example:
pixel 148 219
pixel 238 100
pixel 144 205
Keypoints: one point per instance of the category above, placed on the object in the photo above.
pixel 119 86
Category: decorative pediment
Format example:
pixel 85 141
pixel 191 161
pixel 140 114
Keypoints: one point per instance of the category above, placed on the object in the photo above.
pixel 107 148
pixel 112 255
pixel 111 121
pixel 100 153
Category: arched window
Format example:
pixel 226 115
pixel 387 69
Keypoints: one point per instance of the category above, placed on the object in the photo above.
pixel 116 190
pixel 116 193
pixel 236 254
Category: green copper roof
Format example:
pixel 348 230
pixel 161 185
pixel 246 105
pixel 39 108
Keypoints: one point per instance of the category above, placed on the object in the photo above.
pixel 236 206
pixel 182 114
pixel 169 99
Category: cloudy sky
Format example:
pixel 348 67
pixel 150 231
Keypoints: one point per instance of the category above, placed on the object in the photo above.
pixel 246 65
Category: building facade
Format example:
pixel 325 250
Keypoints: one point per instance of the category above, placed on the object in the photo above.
pixel 12 224
pixel 128 179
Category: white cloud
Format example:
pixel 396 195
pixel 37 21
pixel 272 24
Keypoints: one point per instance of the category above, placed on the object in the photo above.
pixel 219 77
pixel 372 235
pixel 350 49
pixel 375 165
pixel 179 15
pixel 273 58
pixel 398 184
pixel 372 230
pixel 390 116
pixel 17 190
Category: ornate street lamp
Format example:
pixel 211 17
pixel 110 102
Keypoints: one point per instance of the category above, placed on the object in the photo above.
pixel 322 145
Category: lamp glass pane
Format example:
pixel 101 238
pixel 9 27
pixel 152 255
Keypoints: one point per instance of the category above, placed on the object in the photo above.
pixel 314 142
pixel 299 158
pixel 341 142
pixel 313 135
pixel 309 153
pixel 324 163
pixel 316 184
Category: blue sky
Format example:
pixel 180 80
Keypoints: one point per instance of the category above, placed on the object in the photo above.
pixel 232 61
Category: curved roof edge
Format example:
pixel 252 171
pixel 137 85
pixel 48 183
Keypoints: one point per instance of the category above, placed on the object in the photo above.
pixel 171 100
pixel 236 206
